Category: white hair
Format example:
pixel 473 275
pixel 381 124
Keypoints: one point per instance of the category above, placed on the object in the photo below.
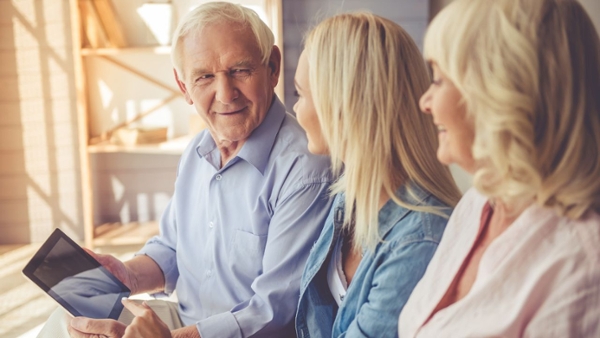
pixel 529 74
pixel 216 13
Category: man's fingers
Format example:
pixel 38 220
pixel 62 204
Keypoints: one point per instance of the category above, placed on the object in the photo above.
pixel 93 254
pixel 135 308
pixel 96 327
pixel 100 258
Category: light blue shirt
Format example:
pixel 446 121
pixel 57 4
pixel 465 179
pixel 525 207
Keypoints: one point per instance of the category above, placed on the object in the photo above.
pixel 234 240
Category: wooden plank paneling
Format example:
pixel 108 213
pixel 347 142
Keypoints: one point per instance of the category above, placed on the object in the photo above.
pixel 307 11
pixel 23 34
pixel 38 177
pixel 36 136
pixel 299 16
pixel 46 186
pixel 36 110
pixel 51 11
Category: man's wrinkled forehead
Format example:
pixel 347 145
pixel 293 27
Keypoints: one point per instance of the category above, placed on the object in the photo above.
pixel 219 46
pixel 224 28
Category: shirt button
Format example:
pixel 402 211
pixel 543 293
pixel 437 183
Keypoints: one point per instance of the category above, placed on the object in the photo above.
pixel 218 177
pixel 208 273
pixel 211 225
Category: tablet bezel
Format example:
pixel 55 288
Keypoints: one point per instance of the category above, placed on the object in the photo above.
pixel 45 249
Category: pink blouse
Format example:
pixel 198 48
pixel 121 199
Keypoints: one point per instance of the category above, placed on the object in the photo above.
pixel 539 278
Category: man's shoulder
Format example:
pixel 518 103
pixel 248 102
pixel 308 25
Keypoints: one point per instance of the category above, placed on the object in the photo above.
pixel 291 142
pixel 290 156
pixel 291 136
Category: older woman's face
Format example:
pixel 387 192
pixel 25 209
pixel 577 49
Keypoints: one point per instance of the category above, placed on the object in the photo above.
pixel 305 110
pixel 455 131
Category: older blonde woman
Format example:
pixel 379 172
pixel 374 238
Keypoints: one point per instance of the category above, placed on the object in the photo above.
pixel 359 79
pixel 516 98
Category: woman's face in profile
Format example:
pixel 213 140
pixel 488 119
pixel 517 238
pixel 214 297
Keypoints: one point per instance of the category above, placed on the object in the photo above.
pixel 305 110
pixel 455 131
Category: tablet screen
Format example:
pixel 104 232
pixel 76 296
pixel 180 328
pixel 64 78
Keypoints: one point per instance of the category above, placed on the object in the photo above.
pixel 75 279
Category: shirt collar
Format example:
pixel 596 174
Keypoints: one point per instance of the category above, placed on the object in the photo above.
pixel 391 213
pixel 257 148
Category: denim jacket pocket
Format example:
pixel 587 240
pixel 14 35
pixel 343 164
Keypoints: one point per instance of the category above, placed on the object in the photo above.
pixel 246 254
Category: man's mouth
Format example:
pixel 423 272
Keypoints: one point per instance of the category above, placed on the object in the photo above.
pixel 231 111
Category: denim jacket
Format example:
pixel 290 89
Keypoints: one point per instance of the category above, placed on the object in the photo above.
pixel 384 278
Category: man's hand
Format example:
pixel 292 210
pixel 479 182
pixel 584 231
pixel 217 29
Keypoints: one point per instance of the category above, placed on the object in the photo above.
pixel 146 323
pixel 82 327
pixel 117 268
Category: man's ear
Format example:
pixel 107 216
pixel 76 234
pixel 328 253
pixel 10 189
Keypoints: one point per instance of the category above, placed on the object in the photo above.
pixel 275 65
pixel 182 87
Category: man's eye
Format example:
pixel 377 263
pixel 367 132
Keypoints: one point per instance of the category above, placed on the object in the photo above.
pixel 240 72
pixel 204 78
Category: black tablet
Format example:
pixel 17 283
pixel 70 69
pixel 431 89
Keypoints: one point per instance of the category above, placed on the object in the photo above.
pixel 75 279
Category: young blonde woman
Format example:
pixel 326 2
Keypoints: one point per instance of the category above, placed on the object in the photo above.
pixel 516 98
pixel 359 79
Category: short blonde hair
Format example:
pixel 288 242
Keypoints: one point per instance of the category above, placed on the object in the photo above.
pixel 366 76
pixel 216 13
pixel 529 74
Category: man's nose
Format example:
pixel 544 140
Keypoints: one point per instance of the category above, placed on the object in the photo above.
pixel 226 91
pixel 425 102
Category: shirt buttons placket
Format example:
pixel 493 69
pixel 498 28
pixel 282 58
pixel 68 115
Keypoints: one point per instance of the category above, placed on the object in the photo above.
pixel 211 225
pixel 218 177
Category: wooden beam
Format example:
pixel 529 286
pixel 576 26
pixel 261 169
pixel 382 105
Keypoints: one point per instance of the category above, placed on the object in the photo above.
pixel 110 22
pixel 140 74
pixel 82 128
pixel 94 35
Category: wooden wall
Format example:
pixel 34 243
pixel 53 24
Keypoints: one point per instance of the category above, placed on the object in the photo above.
pixel 39 175
pixel 300 16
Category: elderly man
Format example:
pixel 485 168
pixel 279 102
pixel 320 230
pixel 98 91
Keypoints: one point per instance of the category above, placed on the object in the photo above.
pixel 249 198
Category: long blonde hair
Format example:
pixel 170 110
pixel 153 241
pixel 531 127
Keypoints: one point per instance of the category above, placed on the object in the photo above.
pixel 529 74
pixel 366 76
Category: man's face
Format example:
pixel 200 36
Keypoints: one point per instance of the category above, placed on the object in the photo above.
pixel 225 80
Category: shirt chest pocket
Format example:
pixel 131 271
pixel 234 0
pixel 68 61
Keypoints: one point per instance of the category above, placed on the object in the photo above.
pixel 246 255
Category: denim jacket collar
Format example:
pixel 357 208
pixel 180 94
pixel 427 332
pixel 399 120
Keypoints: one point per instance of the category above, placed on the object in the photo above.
pixel 390 213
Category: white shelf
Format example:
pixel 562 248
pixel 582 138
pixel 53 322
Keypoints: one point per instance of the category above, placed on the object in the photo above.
pixel 175 146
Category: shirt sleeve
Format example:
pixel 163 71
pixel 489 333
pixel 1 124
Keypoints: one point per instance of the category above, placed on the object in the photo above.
pixel 295 225
pixel 162 248
pixel 396 276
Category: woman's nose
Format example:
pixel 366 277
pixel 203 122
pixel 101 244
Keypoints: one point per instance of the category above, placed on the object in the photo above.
pixel 425 102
